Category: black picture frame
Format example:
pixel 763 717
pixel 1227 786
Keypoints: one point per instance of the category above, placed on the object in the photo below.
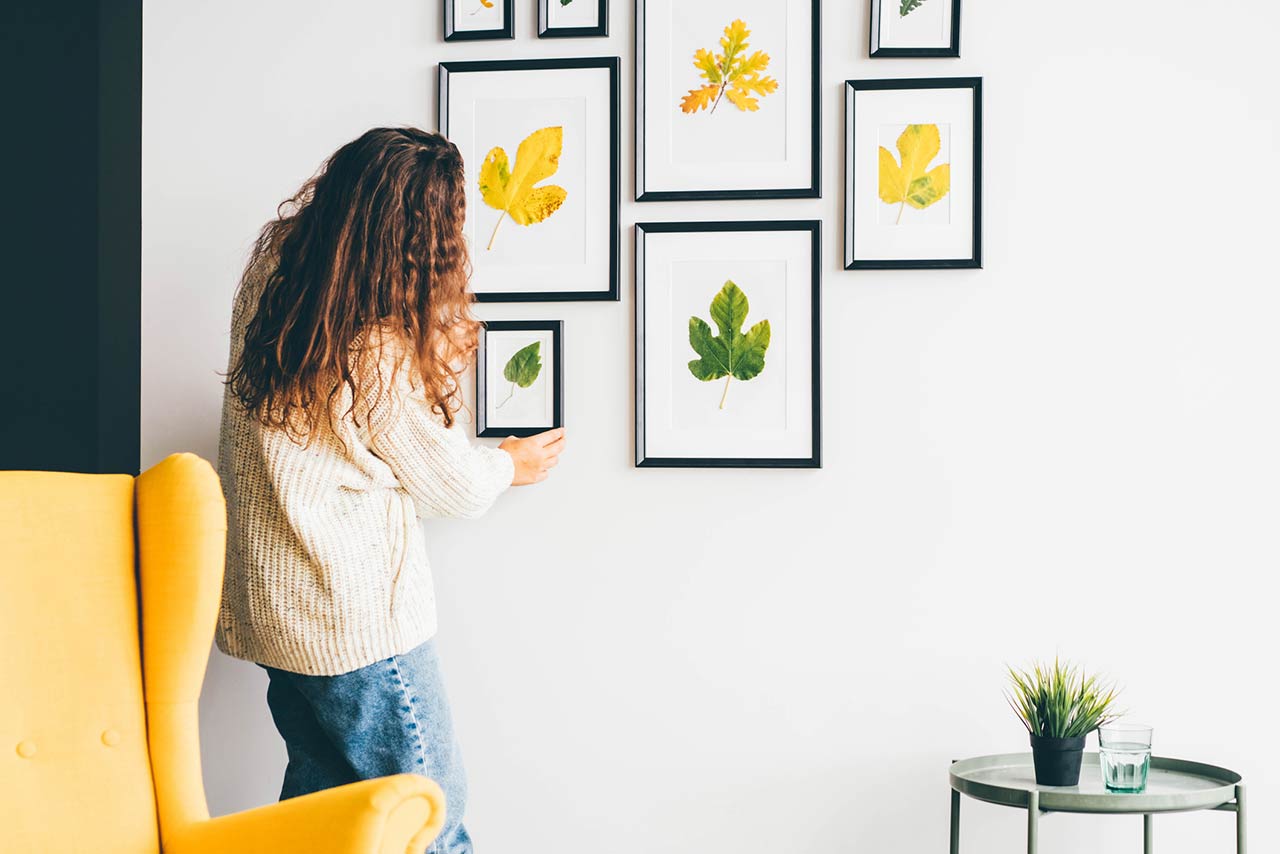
pixel 974 261
pixel 556 328
pixel 812 191
pixel 506 31
pixel 548 32
pixel 814 228
pixel 611 63
pixel 874 51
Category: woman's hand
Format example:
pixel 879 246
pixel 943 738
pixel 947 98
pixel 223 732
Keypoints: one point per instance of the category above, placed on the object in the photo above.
pixel 535 456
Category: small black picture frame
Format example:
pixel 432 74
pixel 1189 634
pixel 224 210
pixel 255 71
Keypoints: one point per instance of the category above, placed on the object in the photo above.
pixel 809 187
pixel 876 51
pixel 709 230
pixel 610 64
pixel 453 34
pixel 484 421
pixel 546 31
pixel 973 258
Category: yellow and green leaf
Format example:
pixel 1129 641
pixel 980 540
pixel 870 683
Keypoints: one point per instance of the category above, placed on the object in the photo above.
pixel 512 190
pixel 909 180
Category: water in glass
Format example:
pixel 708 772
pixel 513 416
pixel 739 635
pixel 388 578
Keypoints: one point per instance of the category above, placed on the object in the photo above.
pixel 1125 766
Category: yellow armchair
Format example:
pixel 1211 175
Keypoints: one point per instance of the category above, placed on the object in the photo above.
pixel 99 747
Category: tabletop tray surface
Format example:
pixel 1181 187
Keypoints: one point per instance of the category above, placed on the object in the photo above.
pixel 1173 785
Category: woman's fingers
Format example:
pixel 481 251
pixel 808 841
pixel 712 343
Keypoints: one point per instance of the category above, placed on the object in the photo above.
pixel 550 436
pixel 550 462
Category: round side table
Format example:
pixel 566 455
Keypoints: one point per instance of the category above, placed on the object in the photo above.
pixel 1174 785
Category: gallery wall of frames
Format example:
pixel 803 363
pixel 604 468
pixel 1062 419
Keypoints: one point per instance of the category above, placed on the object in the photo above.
pixel 728 98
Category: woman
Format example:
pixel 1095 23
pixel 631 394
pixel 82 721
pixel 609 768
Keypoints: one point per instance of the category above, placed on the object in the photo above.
pixel 339 432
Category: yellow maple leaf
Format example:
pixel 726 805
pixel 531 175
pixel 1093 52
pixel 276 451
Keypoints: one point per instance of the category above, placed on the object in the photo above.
pixel 512 191
pixel 912 182
pixel 733 74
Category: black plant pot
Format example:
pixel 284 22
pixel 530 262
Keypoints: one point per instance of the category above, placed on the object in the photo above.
pixel 1057 760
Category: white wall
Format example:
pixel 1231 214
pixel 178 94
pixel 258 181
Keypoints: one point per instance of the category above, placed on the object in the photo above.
pixel 1074 449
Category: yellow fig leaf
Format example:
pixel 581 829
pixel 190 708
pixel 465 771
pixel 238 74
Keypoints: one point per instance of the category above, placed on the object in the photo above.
pixel 911 182
pixel 512 190
pixel 733 74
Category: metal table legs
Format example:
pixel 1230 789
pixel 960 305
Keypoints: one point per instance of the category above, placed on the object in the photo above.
pixel 1148 823
pixel 1241 846
pixel 1033 822
pixel 955 822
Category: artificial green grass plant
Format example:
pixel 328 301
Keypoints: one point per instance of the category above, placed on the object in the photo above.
pixel 1060 701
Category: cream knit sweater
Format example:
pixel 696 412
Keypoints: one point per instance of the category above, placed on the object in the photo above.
pixel 326 562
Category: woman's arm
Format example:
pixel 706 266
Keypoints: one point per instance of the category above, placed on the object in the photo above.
pixel 440 469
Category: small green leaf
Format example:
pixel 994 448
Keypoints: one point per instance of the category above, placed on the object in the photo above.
pixel 908 6
pixel 523 368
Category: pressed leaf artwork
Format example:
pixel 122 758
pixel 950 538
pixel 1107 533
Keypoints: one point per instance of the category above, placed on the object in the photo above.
pixel 522 369
pixel 732 354
pixel 732 74
pixel 484 4
pixel 911 181
pixel 511 189
pixel 907 7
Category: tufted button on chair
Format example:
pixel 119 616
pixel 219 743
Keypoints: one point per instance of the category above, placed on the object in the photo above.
pixel 99 747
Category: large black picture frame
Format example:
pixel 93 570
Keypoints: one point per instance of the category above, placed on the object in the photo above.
pixel 974 261
pixel 812 191
pixel 556 328
pixel 814 228
pixel 612 64
pixel 874 51
pixel 506 31
pixel 545 31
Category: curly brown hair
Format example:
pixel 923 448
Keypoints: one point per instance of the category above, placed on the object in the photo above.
pixel 372 244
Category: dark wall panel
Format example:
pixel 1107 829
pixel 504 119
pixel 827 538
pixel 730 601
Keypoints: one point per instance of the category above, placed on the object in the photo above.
pixel 70 275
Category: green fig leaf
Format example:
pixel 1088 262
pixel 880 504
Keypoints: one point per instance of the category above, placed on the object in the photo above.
pixel 732 353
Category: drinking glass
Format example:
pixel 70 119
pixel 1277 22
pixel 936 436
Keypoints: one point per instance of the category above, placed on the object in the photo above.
pixel 1125 754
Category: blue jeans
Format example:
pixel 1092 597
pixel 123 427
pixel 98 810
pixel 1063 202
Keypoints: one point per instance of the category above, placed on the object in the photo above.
pixel 390 717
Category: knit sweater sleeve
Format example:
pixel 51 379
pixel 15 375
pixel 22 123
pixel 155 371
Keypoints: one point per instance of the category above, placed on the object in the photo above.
pixel 442 471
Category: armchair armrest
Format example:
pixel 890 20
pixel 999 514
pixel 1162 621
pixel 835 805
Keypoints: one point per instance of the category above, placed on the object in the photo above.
pixel 390 815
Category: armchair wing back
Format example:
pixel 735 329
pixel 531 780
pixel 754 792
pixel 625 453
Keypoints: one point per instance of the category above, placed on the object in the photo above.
pixel 99 740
